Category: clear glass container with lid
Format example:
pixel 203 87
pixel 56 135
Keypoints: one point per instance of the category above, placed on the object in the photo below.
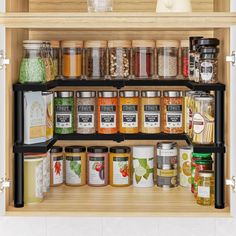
pixel 100 5
pixel 150 107
pixel 184 44
pixel 119 58
pixel 56 57
pixel 172 112
pixel 143 58
pixel 72 52
pixel 167 58
pixel 95 59
pixel 86 112
pixel 32 67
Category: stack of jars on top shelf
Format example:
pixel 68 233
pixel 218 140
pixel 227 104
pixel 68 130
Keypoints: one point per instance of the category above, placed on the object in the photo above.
pixel 195 59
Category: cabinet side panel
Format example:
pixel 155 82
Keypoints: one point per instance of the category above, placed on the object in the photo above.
pixel 220 5
pixel 17 5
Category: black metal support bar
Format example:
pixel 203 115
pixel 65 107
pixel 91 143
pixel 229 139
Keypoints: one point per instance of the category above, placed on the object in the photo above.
pixel 219 157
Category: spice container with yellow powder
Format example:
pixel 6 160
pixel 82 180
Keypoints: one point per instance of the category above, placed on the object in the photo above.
pixel 150 104
pixel 72 59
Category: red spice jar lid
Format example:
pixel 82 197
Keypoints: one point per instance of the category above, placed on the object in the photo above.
pixel 143 43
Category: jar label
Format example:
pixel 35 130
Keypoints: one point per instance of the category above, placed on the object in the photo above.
pixel 174 116
pixel 151 116
pixel 167 152
pixel 96 170
pixel 46 173
pixel 64 116
pixel 206 71
pixel 129 116
pixel 166 173
pixel 85 116
pixel 120 170
pixel 198 123
pixel 108 116
pixel 57 170
pixel 73 170
pixel 203 192
pixel 39 180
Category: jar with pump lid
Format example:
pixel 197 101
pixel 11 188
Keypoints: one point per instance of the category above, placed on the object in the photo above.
pixel 32 67
pixel 119 58
pixel 129 112
pixel 184 44
pixel 143 58
pixel 56 57
pixel 86 112
pixel 72 59
pixel 150 106
pixel 167 58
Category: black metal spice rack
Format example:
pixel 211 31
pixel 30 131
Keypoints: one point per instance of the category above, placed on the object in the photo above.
pixel 218 148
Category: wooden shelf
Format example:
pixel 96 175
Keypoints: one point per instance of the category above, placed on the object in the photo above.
pixel 119 20
pixel 111 201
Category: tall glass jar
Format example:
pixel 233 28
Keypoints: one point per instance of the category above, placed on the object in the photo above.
pixel 86 112
pixel 56 57
pixel 51 64
pixel 143 58
pixel 167 58
pixel 184 44
pixel 100 5
pixel 119 58
pixel 95 59
pixel 72 59
pixel 32 67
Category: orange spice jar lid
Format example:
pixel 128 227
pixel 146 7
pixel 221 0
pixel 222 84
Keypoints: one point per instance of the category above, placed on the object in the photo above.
pixel 95 44
pixel 167 43
pixel 72 44
pixel 119 44
pixel 143 43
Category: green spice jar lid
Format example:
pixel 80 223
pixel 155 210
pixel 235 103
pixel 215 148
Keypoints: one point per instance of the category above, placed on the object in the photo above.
pixel 75 149
pixel 121 149
pixel 97 149
pixel 56 149
pixel 64 94
pixel 202 155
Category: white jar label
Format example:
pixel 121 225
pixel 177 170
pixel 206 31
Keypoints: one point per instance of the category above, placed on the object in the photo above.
pixel 85 116
pixel 39 180
pixel 96 170
pixel 46 173
pixel 206 71
pixel 130 116
pixel 108 116
pixel 151 116
pixel 58 170
pixel 203 192
pixel 63 116
pixel 198 123
pixel 73 170
pixel 167 152
pixel 174 116
pixel 120 170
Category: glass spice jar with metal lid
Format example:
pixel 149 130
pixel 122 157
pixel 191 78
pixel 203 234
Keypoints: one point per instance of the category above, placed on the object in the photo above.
pixel 143 58
pixel 64 112
pixel 86 112
pixel 167 58
pixel 56 57
pixel 172 112
pixel 119 58
pixel 72 59
pixel 95 59
pixel 129 112
pixel 150 106
pixel 184 44
pixel 107 112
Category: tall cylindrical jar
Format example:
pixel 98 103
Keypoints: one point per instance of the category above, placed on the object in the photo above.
pixel 56 57
pixel 184 44
pixel 143 164
pixel 86 112
pixel 150 106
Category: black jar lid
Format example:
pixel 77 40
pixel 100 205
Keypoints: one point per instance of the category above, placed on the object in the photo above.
pixel 97 149
pixel 208 42
pixel 75 149
pixel 56 149
pixel 209 50
pixel 120 149
pixel 192 42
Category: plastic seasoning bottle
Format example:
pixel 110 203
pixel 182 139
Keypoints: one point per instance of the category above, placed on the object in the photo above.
pixel 150 105
pixel 97 166
pixel 75 161
pixel 107 112
pixel 120 166
pixel 129 112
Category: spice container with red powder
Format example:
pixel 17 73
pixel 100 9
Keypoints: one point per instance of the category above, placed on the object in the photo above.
pixel 184 58
pixel 97 166
pixel 143 58
pixel 107 112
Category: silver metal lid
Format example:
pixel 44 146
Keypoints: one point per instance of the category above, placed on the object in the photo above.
pixel 86 94
pixel 206 173
pixel 204 98
pixel 173 94
pixel 166 145
pixel 129 94
pixel 62 94
pixel 107 94
pixel 151 94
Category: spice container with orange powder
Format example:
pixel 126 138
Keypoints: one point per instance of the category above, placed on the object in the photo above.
pixel 107 112
pixel 72 58
pixel 129 110
pixel 172 112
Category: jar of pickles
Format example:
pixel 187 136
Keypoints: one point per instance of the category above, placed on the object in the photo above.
pixel 143 58
pixel 119 58
pixel 150 104
pixel 72 59
pixel 129 111
pixel 56 57
pixel 95 59
pixel 172 112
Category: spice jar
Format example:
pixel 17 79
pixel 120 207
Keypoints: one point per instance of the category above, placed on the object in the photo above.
pixel 100 6
pixel 184 58
pixel 119 58
pixel 172 112
pixel 95 59
pixel 64 112
pixel 86 112
pixel 143 58
pixel 56 57
pixel 72 58
pixel 97 166
pixel 204 119
pixel 206 188
pixel 167 58
pixel 32 67
pixel 150 104
pixel 107 112
pixel 75 161
pixel 128 112
pixel 120 166
pixel 56 166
